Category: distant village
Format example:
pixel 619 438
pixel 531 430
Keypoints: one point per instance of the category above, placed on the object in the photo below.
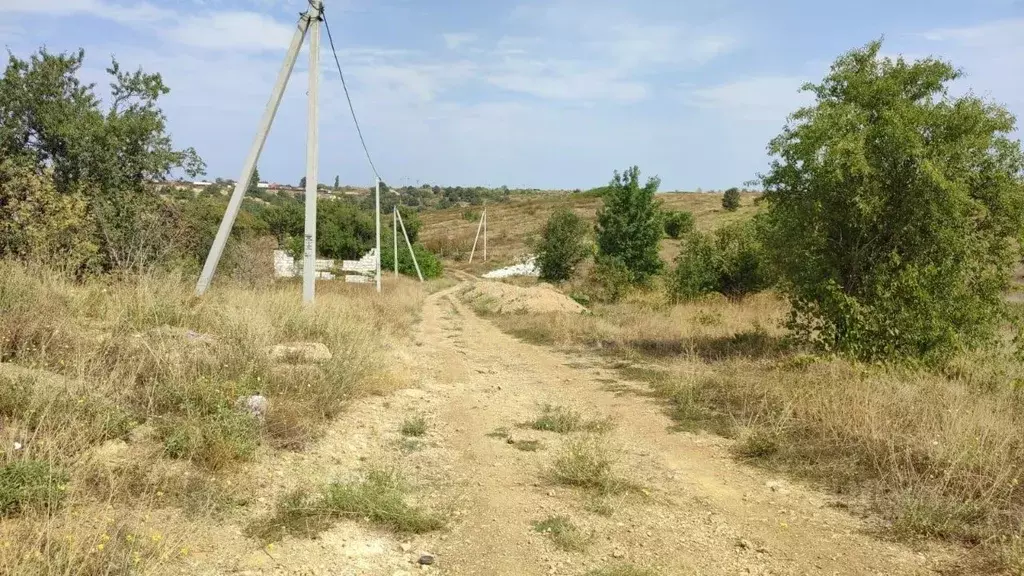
pixel 225 187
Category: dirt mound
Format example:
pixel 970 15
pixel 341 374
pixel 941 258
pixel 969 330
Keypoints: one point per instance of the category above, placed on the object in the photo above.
pixel 508 299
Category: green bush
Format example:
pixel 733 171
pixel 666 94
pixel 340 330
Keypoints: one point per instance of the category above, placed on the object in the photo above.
pixel 629 225
pixel 430 264
pixel 894 210
pixel 731 261
pixel 731 199
pixel 611 278
pixel 563 246
pixel 678 224
pixel 697 268
pixel 27 484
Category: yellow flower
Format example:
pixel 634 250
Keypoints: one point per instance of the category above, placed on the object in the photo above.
pixel 105 538
pixel 184 551
pixel 99 547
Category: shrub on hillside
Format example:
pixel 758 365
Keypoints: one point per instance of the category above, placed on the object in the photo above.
pixel 731 199
pixel 629 225
pixel 731 261
pixel 611 279
pixel 894 210
pixel 563 246
pixel 678 224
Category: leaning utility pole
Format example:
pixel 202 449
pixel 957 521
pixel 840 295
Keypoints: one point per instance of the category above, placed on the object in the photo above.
pixel 377 213
pixel 308 22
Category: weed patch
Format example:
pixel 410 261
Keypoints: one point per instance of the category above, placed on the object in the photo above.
pixel 563 420
pixel 378 498
pixel 415 426
pixel 586 462
pixel 563 533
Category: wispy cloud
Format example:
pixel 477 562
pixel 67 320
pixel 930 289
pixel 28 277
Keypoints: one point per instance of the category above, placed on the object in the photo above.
pixel 230 31
pixel 140 12
pixel 455 40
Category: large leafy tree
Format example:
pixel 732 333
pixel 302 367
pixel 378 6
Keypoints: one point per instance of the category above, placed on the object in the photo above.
pixel 629 225
pixel 105 151
pixel 895 209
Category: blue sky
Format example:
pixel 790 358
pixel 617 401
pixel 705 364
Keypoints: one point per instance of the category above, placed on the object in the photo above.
pixel 550 94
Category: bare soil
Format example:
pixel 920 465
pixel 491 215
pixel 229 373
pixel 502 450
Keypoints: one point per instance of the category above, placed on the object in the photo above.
pixel 696 510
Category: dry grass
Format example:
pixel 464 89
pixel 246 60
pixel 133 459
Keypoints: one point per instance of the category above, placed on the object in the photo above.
pixel 934 454
pixel 126 392
pixel 563 420
pixel 564 534
pixel 514 227
pixel 587 462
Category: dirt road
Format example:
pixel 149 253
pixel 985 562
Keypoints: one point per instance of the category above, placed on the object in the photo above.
pixel 699 511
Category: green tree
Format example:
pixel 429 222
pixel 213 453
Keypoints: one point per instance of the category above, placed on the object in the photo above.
pixel 731 199
pixel 678 223
pixel 337 182
pixel 563 245
pixel 107 151
pixel 894 210
pixel 629 224
pixel 302 182
pixel 254 182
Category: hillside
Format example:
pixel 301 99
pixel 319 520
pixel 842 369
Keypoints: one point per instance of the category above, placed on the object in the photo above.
pixel 515 225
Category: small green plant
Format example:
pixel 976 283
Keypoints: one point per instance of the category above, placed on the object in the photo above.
pixel 415 426
pixel 28 484
pixel 586 462
pixel 378 497
pixel 565 420
pixel 731 199
pixel 563 533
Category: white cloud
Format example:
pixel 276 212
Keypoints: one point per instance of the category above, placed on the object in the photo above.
pixel 231 30
pixel 991 54
pixel 455 40
pixel 141 12
pixel 758 94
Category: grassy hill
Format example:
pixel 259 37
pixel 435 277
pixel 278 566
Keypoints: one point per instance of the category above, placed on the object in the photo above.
pixel 514 226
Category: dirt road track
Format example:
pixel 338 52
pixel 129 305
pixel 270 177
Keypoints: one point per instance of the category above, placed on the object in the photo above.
pixel 705 514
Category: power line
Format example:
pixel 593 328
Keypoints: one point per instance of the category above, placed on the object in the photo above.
pixel 337 62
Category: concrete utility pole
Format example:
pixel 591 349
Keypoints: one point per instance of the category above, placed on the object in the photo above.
pixel 377 210
pixel 221 239
pixel 395 228
pixel 312 153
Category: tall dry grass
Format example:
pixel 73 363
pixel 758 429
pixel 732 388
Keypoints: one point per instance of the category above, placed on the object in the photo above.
pixel 124 393
pixel 933 454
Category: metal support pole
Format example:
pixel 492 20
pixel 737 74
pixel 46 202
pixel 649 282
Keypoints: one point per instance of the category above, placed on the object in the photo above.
pixel 475 240
pixel 394 227
pixel 409 244
pixel 377 203
pixel 221 239
pixel 312 155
